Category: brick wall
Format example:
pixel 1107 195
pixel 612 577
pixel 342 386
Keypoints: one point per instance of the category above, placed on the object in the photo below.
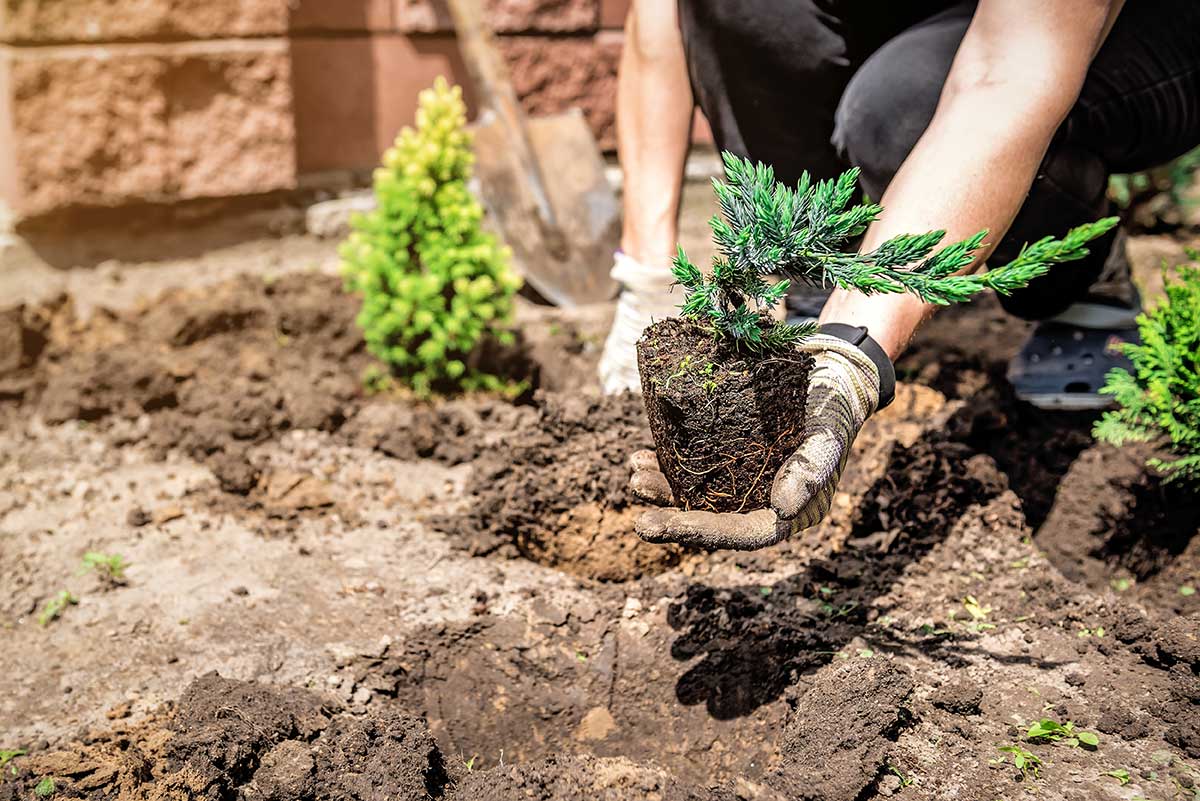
pixel 112 102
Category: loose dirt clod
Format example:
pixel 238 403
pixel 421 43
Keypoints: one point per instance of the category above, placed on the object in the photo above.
pixel 960 696
pixel 556 491
pixel 838 736
pixel 581 778
pixel 237 739
pixel 724 421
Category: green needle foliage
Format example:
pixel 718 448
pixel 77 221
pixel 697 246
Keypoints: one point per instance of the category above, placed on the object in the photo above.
pixel 435 286
pixel 1160 399
pixel 801 233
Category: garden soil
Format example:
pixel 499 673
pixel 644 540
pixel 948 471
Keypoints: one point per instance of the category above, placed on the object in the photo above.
pixel 336 596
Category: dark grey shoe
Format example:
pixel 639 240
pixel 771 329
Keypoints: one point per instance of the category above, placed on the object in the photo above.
pixel 1064 363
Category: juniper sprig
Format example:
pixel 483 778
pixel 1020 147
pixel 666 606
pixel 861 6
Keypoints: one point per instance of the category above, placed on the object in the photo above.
pixel 802 233
pixel 1160 399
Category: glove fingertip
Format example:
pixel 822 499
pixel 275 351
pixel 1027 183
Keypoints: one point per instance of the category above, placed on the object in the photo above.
pixel 653 526
pixel 643 460
pixel 789 493
pixel 651 486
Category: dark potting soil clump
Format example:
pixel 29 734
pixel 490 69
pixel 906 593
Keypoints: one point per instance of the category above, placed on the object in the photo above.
pixel 724 420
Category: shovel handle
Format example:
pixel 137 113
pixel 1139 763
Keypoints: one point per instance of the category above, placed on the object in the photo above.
pixel 490 75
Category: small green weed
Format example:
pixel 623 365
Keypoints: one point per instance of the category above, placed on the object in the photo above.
pixel 1120 774
pixel 830 609
pixel 974 609
pixel 1050 730
pixel 55 607
pixel 905 781
pixel 1025 761
pixel 45 788
pixel 8 755
pixel 111 567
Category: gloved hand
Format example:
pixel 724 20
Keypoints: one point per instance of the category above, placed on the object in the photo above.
pixel 645 298
pixel 844 390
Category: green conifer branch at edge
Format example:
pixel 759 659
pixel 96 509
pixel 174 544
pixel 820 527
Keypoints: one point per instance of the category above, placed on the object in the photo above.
pixel 1160 399
pixel 766 228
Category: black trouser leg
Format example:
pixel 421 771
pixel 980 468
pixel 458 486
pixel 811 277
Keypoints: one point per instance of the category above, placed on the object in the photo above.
pixel 769 74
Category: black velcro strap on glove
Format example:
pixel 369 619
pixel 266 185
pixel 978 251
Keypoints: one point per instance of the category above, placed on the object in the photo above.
pixel 857 335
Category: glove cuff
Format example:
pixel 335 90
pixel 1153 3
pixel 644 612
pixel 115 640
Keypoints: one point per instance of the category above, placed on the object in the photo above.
pixel 857 336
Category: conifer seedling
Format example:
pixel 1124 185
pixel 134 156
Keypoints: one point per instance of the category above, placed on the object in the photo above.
pixel 1159 400
pixel 766 228
pixel 723 432
pixel 436 288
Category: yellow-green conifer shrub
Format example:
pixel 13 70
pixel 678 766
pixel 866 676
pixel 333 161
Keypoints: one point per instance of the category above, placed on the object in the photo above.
pixel 435 287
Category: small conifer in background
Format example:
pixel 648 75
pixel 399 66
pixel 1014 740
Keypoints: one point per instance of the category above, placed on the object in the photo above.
pixel 1160 399
pixel 435 286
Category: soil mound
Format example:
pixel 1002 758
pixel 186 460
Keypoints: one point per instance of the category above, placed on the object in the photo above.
pixel 579 778
pixel 452 433
pixel 212 372
pixel 208 372
pixel 1115 524
pixel 236 739
pixel 556 491
pixel 837 738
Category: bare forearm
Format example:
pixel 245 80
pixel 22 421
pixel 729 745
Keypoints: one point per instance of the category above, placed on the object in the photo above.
pixel 1017 74
pixel 969 172
pixel 654 113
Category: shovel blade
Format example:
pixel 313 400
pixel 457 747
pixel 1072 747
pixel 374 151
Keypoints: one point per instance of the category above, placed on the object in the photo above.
pixel 570 266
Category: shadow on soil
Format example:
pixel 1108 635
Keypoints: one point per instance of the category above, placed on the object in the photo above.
pixel 755 641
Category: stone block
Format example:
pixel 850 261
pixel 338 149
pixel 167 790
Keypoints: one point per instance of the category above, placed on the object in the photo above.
pixel 353 94
pixel 552 75
pixel 504 16
pixel 112 125
pixel 52 21
pixel 230 124
pixel 87 130
pixel 613 13
pixel 310 16
pixel 330 219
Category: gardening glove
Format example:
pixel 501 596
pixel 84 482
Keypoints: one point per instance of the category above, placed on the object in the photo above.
pixel 851 378
pixel 645 298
